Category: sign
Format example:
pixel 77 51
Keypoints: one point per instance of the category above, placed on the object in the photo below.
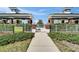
pixel 18 29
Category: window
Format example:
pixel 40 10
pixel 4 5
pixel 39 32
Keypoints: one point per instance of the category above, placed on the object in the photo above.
pixel 62 21
pixel 65 21
pixel 76 22
pixel 57 21
pixel 49 21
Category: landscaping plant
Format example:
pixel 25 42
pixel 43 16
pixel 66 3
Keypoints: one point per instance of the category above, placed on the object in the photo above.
pixel 11 38
pixel 73 38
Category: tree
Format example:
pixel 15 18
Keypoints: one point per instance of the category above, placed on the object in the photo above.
pixel 40 23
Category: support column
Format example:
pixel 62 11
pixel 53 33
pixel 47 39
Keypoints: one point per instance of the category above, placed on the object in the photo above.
pixel 11 21
pixel 50 21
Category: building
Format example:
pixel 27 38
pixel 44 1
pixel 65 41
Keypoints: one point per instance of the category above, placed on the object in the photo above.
pixel 15 18
pixel 65 17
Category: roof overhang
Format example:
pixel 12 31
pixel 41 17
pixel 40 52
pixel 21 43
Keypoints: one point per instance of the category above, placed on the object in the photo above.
pixel 13 15
pixel 64 16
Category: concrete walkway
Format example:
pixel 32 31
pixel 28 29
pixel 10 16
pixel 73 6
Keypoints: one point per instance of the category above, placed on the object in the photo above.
pixel 42 43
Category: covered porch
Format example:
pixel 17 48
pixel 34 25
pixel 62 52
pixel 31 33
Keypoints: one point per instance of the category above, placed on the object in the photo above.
pixel 15 20
pixel 64 20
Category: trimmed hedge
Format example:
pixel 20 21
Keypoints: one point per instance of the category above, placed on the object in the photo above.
pixel 11 38
pixel 73 38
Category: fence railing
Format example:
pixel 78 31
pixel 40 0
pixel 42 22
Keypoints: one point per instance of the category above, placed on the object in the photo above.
pixel 6 27
pixel 10 27
pixel 65 27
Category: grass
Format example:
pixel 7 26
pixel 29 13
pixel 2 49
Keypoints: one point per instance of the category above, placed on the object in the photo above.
pixel 62 47
pixel 20 46
pixel 17 42
pixel 11 38
pixel 18 29
pixel 73 38
pixel 59 37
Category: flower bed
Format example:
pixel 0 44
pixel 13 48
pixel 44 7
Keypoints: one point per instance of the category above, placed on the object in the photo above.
pixel 11 38
pixel 73 38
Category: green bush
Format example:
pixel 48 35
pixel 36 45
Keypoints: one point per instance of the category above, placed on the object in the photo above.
pixel 11 38
pixel 73 38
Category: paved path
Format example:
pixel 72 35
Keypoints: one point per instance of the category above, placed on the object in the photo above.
pixel 42 43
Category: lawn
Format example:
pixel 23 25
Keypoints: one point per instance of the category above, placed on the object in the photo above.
pixel 17 42
pixel 20 46
pixel 73 38
pixel 59 38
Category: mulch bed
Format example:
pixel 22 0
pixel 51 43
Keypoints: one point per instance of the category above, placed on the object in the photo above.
pixel 4 33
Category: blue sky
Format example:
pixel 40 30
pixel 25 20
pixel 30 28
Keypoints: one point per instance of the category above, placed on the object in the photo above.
pixel 39 12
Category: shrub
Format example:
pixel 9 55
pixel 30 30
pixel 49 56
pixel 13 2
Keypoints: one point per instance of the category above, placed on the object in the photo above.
pixel 11 38
pixel 73 38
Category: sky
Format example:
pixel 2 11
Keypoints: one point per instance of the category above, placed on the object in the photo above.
pixel 39 12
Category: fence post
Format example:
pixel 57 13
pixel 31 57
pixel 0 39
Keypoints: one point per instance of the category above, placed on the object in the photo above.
pixel 23 27
pixel 50 27
pixel 56 28
pixel 66 27
pixel 13 29
pixel 76 28
pixel 4 28
pixel 26 27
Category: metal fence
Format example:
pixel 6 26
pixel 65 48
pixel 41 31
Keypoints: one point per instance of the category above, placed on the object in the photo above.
pixel 65 27
pixel 6 27
pixel 10 27
pixel 27 27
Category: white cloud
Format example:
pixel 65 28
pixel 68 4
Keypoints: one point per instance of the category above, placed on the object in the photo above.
pixel 5 10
